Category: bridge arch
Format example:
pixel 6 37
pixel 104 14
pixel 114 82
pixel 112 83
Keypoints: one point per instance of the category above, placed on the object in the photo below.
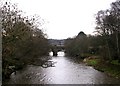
pixel 55 49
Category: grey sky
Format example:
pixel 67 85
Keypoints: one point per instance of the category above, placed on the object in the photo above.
pixel 65 18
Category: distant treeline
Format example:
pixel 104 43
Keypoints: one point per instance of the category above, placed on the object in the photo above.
pixel 105 43
pixel 22 40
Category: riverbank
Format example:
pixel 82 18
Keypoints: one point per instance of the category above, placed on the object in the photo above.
pixel 111 68
pixel 65 71
pixel 17 64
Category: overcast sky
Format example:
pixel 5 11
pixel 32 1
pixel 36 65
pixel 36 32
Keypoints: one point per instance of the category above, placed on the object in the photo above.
pixel 65 18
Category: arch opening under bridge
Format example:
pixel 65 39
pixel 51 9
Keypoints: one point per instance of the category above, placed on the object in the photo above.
pixel 55 49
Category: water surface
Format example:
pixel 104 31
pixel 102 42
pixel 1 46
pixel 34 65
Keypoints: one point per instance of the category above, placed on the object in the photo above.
pixel 65 71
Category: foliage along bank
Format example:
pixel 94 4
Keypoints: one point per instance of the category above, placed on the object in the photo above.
pixel 22 39
pixel 105 44
pixel 106 41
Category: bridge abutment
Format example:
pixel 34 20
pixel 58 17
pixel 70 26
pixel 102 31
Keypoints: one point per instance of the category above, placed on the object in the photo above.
pixel 55 53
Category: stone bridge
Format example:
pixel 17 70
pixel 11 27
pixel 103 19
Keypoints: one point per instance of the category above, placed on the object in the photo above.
pixel 55 49
pixel 56 45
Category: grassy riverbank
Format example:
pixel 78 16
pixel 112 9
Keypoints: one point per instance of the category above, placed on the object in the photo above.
pixel 111 68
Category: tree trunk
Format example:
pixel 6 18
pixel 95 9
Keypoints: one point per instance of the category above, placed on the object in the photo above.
pixel 109 54
pixel 117 44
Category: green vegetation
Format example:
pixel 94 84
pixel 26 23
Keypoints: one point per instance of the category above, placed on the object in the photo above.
pixel 77 46
pixel 92 62
pixel 104 44
pixel 22 39
pixel 106 41
pixel 115 62
pixel 112 69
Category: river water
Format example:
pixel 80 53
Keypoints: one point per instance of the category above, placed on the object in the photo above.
pixel 64 71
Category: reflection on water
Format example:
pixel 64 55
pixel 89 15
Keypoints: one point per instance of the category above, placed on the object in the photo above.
pixel 50 53
pixel 59 54
pixel 66 71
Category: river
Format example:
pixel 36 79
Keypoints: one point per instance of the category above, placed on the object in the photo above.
pixel 64 71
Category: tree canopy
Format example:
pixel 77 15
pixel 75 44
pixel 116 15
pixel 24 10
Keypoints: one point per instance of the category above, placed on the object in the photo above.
pixel 22 40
